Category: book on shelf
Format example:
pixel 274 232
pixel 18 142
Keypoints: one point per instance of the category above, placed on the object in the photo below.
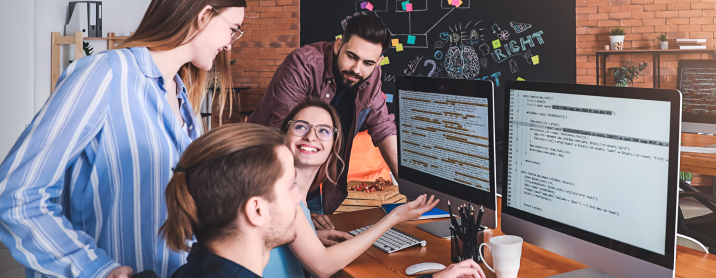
pixel 691 41
pixel 692 47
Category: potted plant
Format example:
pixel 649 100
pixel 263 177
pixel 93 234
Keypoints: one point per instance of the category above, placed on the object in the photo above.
pixel 616 38
pixel 662 41
pixel 625 75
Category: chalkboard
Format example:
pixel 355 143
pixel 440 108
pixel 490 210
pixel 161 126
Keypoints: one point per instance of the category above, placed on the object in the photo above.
pixel 495 40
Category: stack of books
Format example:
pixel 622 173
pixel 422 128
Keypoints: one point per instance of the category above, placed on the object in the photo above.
pixel 691 43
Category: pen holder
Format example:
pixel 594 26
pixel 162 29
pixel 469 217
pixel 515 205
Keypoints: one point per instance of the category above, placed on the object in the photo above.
pixel 461 250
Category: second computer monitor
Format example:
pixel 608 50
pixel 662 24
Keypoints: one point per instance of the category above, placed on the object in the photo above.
pixel 446 141
pixel 696 79
pixel 592 173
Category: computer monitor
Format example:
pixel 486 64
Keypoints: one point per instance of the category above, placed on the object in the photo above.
pixel 446 144
pixel 696 79
pixel 592 173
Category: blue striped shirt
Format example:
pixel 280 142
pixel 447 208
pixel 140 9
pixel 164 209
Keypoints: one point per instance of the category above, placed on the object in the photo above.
pixel 82 190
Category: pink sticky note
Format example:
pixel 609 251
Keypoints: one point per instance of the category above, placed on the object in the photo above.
pixel 369 6
pixel 455 2
pixel 409 7
pixel 363 4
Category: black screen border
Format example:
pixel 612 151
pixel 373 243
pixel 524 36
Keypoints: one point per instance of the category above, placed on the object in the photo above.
pixel 674 97
pixel 459 87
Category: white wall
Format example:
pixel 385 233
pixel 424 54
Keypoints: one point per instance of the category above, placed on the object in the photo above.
pixel 16 82
pixel 25 54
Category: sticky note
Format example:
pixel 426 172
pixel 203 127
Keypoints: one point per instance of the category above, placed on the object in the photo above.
pixel 458 5
pixel 455 3
pixel 535 59
pixel 409 7
pixel 339 37
pixel 395 42
pixel 405 5
pixel 496 44
pixel 520 79
pixel 399 47
pixel 369 6
pixel 363 4
pixel 385 61
pixel 411 39
pixel 389 98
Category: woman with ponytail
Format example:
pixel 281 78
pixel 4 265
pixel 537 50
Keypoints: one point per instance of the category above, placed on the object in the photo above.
pixel 234 192
pixel 82 190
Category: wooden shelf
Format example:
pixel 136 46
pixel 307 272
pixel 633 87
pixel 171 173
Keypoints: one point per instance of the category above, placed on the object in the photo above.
pixel 105 38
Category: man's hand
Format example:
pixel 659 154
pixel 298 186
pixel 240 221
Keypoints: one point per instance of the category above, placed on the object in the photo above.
pixel 322 222
pixel 330 237
pixel 121 272
pixel 464 269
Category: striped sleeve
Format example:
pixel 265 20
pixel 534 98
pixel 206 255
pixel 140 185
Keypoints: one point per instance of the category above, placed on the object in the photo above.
pixel 34 229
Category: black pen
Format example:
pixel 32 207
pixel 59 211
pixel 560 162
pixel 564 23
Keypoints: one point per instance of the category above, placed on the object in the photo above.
pixel 452 217
pixel 479 216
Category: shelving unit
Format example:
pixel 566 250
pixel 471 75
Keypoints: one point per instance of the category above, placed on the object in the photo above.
pixel 77 39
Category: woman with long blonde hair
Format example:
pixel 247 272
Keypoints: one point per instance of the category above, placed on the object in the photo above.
pixel 82 190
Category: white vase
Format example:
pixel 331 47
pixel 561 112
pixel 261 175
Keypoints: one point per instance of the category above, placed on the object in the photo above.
pixel 614 39
pixel 664 44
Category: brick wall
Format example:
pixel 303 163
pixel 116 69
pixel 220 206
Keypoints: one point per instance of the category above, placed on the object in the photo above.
pixel 643 21
pixel 271 31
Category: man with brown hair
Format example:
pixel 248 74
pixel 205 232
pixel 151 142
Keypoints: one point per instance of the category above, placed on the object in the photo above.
pixel 344 73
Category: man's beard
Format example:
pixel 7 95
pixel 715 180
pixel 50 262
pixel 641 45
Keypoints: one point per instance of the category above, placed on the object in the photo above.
pixel 342 77
pixel 280 232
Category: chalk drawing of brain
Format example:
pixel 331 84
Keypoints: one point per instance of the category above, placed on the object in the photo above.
pixel 461 62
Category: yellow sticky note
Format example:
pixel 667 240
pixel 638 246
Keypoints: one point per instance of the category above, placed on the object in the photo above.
pixel 385 61
pixel 535 59
pixel 399 47
pixel 496 44
pixel 395 42
pixel 458 5
pixel 520 79
pixel 339 37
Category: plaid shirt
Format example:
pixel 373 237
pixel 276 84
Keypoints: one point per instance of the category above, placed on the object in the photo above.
pixel 203 264
pixel 307 74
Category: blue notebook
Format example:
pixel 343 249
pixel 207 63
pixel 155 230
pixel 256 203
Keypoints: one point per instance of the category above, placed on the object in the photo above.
pixel 433 213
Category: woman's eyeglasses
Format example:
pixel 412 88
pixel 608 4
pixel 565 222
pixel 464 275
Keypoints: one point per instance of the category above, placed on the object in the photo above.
pixel 235 33
pixel 301 128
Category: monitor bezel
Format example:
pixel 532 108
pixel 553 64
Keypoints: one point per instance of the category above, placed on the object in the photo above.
pixel 684 64
pixel 672 96
pixel 470 88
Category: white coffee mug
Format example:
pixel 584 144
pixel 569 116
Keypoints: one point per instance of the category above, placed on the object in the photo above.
pixel 506 254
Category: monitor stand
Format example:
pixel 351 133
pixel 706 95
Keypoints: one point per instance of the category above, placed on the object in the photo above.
pixel 439 229
pixel 589 272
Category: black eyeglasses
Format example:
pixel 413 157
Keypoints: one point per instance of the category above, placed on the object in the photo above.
pixel 234 31
pixel 301 128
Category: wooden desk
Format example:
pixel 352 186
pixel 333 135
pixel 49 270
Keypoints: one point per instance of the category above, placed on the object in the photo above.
pixel 535 262
pixel 701 163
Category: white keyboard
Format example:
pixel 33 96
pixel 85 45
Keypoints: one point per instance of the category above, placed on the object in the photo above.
pixel 688 149
pixel 393 240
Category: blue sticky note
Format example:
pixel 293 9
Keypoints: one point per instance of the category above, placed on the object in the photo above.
pixel 389 98
pixel 405 3
pixel 411 39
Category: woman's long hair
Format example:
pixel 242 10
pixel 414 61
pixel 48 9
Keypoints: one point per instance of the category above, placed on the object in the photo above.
pixel 166 26
pixel 217 174
pixel 329 169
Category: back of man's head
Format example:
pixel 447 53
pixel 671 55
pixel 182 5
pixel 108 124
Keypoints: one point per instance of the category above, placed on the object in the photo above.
pixel 369 28
pixel 216 176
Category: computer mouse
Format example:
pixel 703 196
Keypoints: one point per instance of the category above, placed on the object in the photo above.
pixel 424 268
